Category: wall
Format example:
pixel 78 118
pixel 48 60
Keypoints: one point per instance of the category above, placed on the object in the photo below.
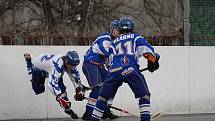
pixel 183 84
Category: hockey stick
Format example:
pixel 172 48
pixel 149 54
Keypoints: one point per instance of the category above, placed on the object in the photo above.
pixel 85 88
pixel 120 68
pixel 90 88
pixel 144 69
pixel 156 115
pixel 113 107
pixel 122 110
pixel 153 116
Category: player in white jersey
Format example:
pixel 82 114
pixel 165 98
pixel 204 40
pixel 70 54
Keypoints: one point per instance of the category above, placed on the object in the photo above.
pixel 54 66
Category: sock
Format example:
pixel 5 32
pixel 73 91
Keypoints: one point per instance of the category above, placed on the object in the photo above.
pixel 91 104
pixel 99 110
pixel 144 106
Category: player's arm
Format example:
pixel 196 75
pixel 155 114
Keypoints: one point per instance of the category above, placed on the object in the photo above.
pixel 54 78
pixel 104 46
pixel 74 77
pixel 79 87
pixel 110 57
pixel 145 49
pixel 150 57
pixel 61 94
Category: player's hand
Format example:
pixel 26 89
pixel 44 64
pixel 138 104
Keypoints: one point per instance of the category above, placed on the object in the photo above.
pixel 85 88
pixel 79 96
pixel 154 66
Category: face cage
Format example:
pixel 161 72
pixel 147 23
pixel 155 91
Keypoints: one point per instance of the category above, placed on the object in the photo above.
pixel 112 28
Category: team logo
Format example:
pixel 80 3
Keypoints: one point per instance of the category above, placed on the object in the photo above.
pixel 125 60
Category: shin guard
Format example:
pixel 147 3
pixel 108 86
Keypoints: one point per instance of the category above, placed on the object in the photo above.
pixel 91 104
pixel 144 105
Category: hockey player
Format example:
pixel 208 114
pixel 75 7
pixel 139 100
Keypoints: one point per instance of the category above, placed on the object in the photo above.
pixel 94 70
pixel 54 66
pixel 127 48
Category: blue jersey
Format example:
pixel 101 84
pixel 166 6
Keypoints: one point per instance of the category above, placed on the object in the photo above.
pixel 127 49
pixel 99 50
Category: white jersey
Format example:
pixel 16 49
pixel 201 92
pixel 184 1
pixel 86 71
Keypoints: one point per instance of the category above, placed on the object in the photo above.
pixel 53 64
pixel 46 62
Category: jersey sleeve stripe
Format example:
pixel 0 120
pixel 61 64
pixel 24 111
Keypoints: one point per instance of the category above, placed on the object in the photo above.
pixel 104 36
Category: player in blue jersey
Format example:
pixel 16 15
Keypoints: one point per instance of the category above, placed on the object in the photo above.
pixel 94 69
pixel 127 48
pixel 54 67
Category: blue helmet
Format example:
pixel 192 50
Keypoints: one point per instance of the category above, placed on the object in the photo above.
pixel 114 23
pixel 73 58
pixel 126 24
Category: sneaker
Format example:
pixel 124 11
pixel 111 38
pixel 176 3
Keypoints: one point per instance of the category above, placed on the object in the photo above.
pixel 27 57
pixel 86 116
pixel 109 115
pixel 71 113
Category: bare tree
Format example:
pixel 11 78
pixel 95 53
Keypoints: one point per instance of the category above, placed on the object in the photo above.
pixel 88 17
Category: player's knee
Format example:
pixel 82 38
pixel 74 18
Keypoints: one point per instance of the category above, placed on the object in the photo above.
pixel 147 97
pixel 63 101
pixel 110 101
pixel 144 100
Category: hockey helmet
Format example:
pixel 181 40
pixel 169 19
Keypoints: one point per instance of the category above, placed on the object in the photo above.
pixel 73 58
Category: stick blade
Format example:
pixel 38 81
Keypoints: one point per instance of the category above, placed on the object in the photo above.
pixel 156 115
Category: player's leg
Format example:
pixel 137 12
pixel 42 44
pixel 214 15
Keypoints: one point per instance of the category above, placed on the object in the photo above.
pixel 28 64
pixel 107 112
pixel 59 90
pixel 37 76
pixel 108 90
pixel 138 85
pixel 38 80
pixel 94 77
pixel 66 105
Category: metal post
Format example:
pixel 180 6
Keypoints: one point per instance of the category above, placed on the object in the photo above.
pixel 186 22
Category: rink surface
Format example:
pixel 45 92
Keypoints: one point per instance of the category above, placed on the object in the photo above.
pixel 182 117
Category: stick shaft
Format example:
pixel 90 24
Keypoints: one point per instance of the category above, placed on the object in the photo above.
pixel 113 107
pixel 144 69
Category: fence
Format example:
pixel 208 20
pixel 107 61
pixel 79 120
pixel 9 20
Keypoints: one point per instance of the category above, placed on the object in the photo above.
pixel 43 38
pixel 202 32
pixel 202 19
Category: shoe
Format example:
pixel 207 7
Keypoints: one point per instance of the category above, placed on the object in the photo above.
pixel 86 116
pixel 109 115
pixel 71 113
pixel 27 57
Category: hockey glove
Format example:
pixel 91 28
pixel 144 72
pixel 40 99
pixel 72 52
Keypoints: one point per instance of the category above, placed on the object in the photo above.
pixel 79 96
pixel 85 88
pixel 154 66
